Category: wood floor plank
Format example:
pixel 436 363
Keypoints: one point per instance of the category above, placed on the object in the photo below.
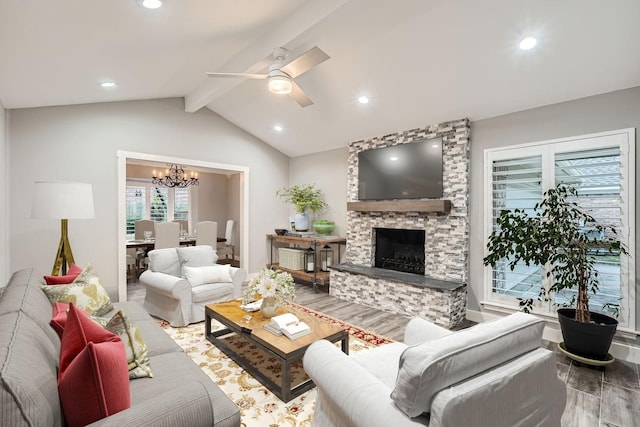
pixel 620 406
pixel 582 410
pixel 623 374
pixel 586 379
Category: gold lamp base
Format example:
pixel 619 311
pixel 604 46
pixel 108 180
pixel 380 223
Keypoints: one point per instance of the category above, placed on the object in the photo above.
pixel 64 257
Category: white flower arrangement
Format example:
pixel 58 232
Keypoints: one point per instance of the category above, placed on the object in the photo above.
pixel 272 283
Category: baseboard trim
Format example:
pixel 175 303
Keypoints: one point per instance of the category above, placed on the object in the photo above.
pixel 620 349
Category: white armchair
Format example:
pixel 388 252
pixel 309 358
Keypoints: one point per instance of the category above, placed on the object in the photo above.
pixel 181 281
pixel 493 374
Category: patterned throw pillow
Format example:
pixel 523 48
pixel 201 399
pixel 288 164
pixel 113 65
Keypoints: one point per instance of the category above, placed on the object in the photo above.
pixel 85 292
pixel 137 353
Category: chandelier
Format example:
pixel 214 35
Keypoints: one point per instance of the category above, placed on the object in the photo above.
pixel 175 177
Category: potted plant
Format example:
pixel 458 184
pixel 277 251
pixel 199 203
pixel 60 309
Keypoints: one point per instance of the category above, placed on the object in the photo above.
pixel 275 287
pixel 303 197
pixel 563 237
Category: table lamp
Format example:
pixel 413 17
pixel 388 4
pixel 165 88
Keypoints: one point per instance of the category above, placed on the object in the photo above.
pixel 63 201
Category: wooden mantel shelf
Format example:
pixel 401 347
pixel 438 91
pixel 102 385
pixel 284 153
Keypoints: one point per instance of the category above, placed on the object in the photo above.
pixel 437 206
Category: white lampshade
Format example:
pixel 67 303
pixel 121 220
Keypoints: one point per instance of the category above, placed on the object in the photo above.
pixel 280 84
pixel 62 200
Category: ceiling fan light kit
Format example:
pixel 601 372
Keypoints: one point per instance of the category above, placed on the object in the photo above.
pixel 280 78
pixel 280 85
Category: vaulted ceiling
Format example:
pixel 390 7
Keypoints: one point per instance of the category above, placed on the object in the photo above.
pixel 419 61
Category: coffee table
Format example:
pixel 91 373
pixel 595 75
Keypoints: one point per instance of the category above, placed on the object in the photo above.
pixel 281 348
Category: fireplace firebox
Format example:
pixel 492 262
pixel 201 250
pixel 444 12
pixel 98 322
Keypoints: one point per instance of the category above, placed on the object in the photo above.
pixel 400 250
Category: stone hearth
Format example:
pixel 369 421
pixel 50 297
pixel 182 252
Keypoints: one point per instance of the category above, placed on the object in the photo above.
pixel 439 295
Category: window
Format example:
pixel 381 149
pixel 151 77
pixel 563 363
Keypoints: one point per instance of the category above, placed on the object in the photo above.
pixel 136 206
pixel 159 208
pixel 145 201
pixel 181 203
pixel 601 168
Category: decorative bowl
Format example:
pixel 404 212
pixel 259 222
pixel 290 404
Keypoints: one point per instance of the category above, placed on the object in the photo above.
pixel 281 231
pixel 324 227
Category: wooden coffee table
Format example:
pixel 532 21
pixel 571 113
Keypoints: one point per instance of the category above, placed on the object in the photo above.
pixel 280 348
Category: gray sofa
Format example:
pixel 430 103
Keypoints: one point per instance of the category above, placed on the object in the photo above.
pixel 179 393
pixel 493 374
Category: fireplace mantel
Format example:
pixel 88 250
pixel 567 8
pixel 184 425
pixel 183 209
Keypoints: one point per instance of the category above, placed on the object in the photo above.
pixel 437 206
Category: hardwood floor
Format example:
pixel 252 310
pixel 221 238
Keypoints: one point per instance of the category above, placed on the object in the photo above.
pixel 609 398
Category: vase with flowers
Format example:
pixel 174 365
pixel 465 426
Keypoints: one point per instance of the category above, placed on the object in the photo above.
pixel 275 287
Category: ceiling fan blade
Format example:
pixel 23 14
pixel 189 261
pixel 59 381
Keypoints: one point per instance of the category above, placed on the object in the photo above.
pixel 243 75
pixel 305 62
pixel 299 96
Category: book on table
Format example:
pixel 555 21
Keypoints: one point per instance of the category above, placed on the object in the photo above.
pixel 289 325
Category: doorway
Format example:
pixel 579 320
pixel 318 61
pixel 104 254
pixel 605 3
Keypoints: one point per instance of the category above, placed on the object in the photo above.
pixel 125 157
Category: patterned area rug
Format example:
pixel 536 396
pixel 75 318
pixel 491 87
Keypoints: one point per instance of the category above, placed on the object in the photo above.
pixel 258 406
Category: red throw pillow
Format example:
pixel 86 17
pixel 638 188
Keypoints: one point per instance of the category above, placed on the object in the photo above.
pixel 59 317
pixel 93 378
pixel 74 271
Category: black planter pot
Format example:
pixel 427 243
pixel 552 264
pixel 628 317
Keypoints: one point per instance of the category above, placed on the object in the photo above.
pixel 589 340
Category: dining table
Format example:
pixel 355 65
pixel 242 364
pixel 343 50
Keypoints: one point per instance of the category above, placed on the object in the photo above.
pixel 149 244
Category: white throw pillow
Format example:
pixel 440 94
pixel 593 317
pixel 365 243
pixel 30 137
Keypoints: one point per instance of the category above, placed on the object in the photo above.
pixel 427 368
pixel 196 256
pixel 211 274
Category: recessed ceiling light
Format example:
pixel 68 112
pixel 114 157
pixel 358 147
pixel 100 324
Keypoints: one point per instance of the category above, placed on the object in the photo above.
pixel 278 128
pixel 151 4
pixel 393 159
pixel 435 145
pixel 363 99
pixel 108 84
pixel 528 43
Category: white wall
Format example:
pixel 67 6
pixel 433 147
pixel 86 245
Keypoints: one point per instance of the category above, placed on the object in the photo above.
pixel 615 110
pixel 328 170
pixel 79 143
pixel 4 197
pixel 233 212
pixel 213 196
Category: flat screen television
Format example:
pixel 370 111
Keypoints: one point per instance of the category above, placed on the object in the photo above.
pixel 404 171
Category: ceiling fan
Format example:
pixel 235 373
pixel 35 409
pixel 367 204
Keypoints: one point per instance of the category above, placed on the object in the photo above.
pixel 281 76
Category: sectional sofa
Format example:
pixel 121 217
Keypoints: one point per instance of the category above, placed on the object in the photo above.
pixel 179 393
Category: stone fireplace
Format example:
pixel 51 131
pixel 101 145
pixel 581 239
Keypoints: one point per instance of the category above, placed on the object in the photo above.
pixel 432 236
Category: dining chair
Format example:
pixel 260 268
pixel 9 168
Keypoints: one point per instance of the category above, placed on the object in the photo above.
pixel 184 225
pixel 227 248
pixel 207 233
pixel 140 226
pixel 167 235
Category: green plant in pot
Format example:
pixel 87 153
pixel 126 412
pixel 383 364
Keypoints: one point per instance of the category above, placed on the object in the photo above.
pixel 303 198
pixel 562 237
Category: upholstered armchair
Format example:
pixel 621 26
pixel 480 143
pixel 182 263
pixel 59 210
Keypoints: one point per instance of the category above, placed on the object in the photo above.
pixel 181 281
pixel 493 374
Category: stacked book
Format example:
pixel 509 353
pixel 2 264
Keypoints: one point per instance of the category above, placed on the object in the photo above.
pixel 289 325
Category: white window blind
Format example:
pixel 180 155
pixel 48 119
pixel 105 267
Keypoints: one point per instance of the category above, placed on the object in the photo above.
pixel 596 176
pixel 136 206
pixel 145 201
pixel 159 207
pixel 516 184
pixel 602 169
pixel 181 204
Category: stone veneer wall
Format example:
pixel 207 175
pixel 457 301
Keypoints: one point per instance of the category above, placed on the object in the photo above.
pixel 446 237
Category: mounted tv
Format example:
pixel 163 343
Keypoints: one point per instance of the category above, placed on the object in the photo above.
pixel 404 171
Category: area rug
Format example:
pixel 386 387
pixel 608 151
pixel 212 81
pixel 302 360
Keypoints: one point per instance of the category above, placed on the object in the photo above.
pixel 258 406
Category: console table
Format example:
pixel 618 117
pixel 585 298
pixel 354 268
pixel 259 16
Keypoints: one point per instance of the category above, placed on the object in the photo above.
pixel 317 277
